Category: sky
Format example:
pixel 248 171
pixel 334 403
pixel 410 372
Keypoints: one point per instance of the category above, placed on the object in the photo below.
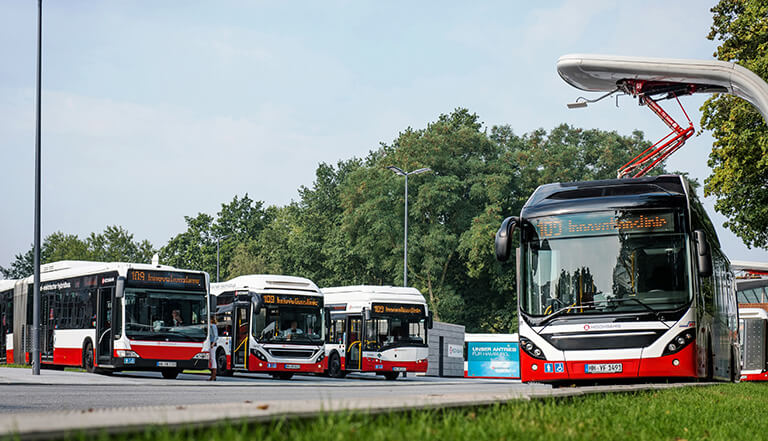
pixel 156 110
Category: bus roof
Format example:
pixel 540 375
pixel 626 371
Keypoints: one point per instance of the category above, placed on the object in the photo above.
pixel 754 311
pixel 266 282
pixel 557 198
pixel 373 293
pixel 73 268
pixel 6 285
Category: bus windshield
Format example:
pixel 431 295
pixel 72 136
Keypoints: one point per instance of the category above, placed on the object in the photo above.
pixel 604 274
pixel 164 315
pixel 288 324
pixel 390 331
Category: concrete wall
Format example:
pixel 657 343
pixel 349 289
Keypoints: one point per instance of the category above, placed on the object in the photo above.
pixel 453 359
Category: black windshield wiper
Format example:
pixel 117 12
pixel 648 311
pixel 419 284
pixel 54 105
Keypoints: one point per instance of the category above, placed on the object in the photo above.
pixel 548 319
pixel 656 313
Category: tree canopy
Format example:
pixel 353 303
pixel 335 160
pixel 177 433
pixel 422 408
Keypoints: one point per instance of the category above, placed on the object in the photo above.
pixel 739 157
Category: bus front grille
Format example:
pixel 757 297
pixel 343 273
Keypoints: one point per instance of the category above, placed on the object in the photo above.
pixel 603 340
pixel 291 353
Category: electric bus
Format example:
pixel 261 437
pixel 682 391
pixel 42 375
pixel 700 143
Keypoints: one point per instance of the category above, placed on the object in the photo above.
pixel 753 332
pixel 381 329
pixel 110 317
pixel 6 320
pixel 621 279
pixel 269 324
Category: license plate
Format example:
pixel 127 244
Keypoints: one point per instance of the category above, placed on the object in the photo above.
pixel 292 366
pixel 603 368
pixel 398 369
pixel 129 360
pixel 166 364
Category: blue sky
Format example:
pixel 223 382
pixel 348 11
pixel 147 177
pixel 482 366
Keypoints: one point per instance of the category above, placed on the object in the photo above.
pixel 156 110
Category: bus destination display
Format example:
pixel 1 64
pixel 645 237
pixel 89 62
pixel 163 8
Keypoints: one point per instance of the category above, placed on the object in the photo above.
pixel 290 300
pixel 166 280
pixel 589 224
pixel 397 309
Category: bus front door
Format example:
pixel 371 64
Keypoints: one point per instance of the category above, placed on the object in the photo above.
pixel 104 311
pixel 354 343
pixel 240 337
pixel 47 325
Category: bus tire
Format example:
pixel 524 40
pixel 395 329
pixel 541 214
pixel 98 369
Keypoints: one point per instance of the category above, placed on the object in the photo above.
pixel 391 376
pixel 283 375
pixel 170 374
pixel 334 366
pixel 221 363
pixel 88 363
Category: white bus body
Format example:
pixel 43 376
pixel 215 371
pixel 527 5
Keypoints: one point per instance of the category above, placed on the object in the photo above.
pixel 115 316
pixel 395 321
pixel 255 314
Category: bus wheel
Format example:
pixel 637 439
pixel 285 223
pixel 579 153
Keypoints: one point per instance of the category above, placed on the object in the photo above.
pixel 283 375
pixel 391 375
pixel 334 366
pixel 170 374
pixel 221 363
pixel 88 357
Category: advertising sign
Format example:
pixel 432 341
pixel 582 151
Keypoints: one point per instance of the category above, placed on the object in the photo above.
pixel 493 359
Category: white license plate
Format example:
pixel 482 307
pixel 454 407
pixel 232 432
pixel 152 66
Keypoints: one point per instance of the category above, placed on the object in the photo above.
pixel 166 364
pixel 603 368
pixel 398 369
pixel 292 366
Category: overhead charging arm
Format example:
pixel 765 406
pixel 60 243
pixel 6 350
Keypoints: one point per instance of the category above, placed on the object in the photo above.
pixel 648 77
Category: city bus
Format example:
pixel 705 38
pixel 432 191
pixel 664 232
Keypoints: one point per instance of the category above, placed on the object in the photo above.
pixel 380 329
pixel 6 320
pixel 108 317
pixel 621 279
pixel 270 324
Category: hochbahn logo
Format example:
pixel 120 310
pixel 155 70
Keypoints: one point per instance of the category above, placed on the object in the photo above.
pixel 588 327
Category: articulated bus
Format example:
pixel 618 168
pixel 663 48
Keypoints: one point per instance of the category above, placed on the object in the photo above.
pixel 621 279
pixel 109 317
pixel 270 324
pixel 381 329
pixel 6 320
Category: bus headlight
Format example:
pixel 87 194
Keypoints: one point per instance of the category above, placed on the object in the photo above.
pixel 321 357
pixel 258 354
pixel 122 353
pixel 680 341
pixel 201 356
pixel 531 349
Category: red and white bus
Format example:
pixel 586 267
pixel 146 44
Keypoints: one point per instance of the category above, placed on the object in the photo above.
pixel 6 320
pixel 381 329
pixel 270 324
pixel 109 317
pixel 621 279
pixel 753 334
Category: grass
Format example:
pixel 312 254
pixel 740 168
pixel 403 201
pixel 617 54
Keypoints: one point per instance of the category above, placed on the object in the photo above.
pixel 723 412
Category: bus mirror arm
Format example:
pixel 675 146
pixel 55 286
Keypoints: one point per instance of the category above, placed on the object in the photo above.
pixel 703 256
pixel 504 238
pixel 430 320
pixel 327 317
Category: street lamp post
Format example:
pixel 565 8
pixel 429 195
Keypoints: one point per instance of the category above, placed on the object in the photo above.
pixel 36 288
pixel 405 240
pixel 218 238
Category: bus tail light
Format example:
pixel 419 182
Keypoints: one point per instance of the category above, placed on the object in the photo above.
pixel 122 353
pixel 531 349
pixel 680 341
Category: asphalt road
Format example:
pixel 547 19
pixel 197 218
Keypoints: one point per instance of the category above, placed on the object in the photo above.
pixel 80 391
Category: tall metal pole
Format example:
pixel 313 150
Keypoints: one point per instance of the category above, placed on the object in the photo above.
pixel 36 295
pixel 217 261
pixel 405 249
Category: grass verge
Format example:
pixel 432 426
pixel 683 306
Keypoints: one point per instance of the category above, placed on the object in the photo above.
pixel 723 412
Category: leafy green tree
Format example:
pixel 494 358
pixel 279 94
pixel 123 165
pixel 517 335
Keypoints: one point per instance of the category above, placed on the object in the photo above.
pixel 739 157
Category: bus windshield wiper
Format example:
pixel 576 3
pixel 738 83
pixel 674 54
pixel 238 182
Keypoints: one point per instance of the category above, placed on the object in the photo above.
pixel 548 319
pixel 656 313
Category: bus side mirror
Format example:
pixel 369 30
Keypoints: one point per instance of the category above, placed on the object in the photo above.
pixel 504 238
pixel 430 320
pixel 327 317
pixel 120 287
pixel 703 256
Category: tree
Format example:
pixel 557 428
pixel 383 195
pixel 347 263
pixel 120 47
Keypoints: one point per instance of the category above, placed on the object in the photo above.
pixel 739 157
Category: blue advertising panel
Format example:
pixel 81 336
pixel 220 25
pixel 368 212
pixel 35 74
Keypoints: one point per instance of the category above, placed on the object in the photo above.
pixel 493 359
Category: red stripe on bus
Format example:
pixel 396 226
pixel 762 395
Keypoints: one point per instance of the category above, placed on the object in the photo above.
pixel 68 356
